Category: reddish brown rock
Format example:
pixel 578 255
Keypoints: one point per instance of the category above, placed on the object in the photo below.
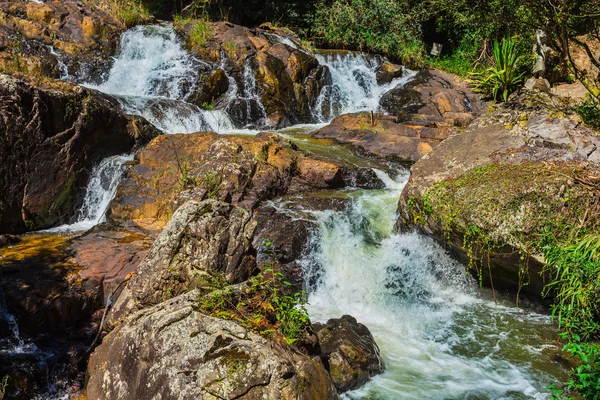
pixel 423 113
pixel 243 170
pixel 82 33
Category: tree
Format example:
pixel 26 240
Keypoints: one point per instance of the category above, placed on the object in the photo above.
pixel 570 24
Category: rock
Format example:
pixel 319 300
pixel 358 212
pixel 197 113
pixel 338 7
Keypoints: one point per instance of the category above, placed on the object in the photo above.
pixel 541 84
pixel 278 79
pixel 5 240
pixel 109 254
pixel 574 92
pixel 387 72
pixel 242 170
pixel 51 136
pixel 171 351
pixel 199 238
pixel 424 112
pixel 505 178
pixel 349 352
pixel 34 35
pixel 211 86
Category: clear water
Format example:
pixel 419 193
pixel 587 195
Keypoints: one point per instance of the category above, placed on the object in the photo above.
pixel 440 336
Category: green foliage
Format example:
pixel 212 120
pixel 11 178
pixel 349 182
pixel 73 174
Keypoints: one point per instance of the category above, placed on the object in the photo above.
pixel 503 78
pixel 211 182
pixel 128 12
pixel 589 110
pixel 382 26
pixel 200 30
pixel 576 284
pixel 3 385
pixel 586 377
pixel 261 306
pixel 207 106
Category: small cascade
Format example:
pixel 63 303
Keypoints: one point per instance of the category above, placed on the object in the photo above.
pixel 152 77
pixel 101 189
pixel 62 67
pixel 247 108
pixel 10 339
pixel 354 85
pixel 440 337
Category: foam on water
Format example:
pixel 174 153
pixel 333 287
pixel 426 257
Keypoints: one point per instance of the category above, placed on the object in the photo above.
pixel 101 189
pixel 439 338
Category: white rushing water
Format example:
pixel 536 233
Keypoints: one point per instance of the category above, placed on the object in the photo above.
pixel 100 191
pixel 354 85
pixel 152 77
pixel 439 337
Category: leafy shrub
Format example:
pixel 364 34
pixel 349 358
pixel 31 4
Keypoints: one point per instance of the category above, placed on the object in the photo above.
pixel 382 26
pixel 3 384
pixel 589 111
pixel 200 30
pixel 503 78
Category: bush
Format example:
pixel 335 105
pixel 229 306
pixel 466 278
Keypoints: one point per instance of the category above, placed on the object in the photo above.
pixel 200 30
pixel 589 111
pixel 382 26
pixel 503 78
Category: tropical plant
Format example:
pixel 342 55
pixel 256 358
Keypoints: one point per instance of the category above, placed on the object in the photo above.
pixel 503 78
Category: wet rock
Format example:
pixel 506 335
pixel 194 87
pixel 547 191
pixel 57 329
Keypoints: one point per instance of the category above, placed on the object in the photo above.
pixel 174 352
pixel 423 112
pixel 269 65
pixel 509 171
pixel 33 36
pixel 211 86
pixel 52 135
pixel 349 352
pixel 200 237
pixel 387 72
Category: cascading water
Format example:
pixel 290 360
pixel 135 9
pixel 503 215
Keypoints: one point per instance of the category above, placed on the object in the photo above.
pixel 101 189
pixel 354 85
pixel 440 336
pixel 152 77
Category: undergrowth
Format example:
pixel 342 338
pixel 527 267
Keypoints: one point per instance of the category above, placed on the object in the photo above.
pixel 200 31
pixel 260 305
pixel 3 385
pixel 589 110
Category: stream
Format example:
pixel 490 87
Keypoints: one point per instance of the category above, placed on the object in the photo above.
pixel 440 335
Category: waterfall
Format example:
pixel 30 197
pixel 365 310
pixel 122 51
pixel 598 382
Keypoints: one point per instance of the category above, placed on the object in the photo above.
pixel 101 189
pixel 439 337
pixel 13 343
pixel 153 75
pixel 354 85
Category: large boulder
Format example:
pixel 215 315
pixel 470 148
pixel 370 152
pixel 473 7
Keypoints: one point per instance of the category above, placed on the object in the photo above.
pixel 278 80
pixel 491 191
pixel 51 135
pixel 243 170
pixel 416 117
pixel 200 237
pixel 349 352
pixel 36 37
pixel 172 351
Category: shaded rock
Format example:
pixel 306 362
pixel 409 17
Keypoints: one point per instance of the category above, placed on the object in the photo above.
pixel 171 351
pixel 349 352
pixel 211 86
pixel 505 177
pixel 5 240
pixel 424 112
pixel 200 237
pixel 50 138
